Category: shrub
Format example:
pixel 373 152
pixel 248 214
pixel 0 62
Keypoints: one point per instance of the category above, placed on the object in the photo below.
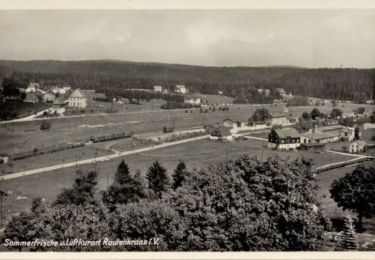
pixel 45 125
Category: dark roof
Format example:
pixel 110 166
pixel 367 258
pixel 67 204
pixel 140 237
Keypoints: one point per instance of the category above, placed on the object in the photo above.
pixel 30 96
pixel 287 132
pixel 331 128
pixel 221 131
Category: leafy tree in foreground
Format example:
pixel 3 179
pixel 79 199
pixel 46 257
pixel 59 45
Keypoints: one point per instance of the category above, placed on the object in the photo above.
pixel 81 193
pixel 355 191
pixel 148 220
pixel 250 205
pixel 158 179
pixel 179 175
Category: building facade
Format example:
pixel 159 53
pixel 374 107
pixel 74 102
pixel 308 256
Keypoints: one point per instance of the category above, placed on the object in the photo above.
pixel 81 99
pixel 284 139
pixel 181 89
pixel 357 146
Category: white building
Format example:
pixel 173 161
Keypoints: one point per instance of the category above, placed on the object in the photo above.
pixel 194 100
pixel 181 89
pixel 328 134
pixel 158 88
pixel 357 146
pixel 81 98
pixel 60 90
pixel 32 87
pixel 49 97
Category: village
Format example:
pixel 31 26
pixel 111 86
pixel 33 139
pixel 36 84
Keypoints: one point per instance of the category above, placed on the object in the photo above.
pixel 82 129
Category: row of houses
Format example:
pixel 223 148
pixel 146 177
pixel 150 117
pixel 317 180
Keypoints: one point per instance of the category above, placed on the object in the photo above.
pixel 316 138
pixel 180 89
pixel 61 97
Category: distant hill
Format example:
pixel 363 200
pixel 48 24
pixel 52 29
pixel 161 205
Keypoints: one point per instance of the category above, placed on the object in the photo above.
pixel 113 75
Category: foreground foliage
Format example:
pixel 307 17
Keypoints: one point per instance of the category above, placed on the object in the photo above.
pixel 242 205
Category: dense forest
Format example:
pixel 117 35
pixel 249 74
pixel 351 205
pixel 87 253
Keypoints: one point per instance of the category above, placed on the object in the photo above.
pixel 238 82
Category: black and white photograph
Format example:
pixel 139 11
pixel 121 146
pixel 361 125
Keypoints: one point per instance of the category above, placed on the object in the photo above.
pixel 187 129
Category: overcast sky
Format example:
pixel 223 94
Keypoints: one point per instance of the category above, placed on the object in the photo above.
pixel 309 38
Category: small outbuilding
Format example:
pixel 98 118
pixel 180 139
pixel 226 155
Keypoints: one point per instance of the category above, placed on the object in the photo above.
pixel 221 133
pixel 357 146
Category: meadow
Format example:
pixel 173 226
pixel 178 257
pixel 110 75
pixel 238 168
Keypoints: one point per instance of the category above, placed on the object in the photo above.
pixel 49 184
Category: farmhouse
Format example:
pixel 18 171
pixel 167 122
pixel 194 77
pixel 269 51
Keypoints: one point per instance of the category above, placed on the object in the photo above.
pixel 357 146
pixel 32 87
pixel 194 100
pixel 4 158
pixel 328 134
pixel 181 89
pixel 81 98
pixel 49 97
pixel 158 88
pixel 60 90
pixel 284 139
pixel 280 119
pixel 221 133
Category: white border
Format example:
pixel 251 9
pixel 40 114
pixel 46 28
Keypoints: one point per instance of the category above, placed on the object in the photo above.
pixel 192 5
pixel 186 4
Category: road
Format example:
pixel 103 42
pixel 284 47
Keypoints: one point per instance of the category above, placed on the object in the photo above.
pixel 354 160
pixel 116 154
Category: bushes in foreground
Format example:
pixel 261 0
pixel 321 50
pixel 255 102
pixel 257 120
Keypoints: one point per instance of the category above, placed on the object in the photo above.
pixel 241 205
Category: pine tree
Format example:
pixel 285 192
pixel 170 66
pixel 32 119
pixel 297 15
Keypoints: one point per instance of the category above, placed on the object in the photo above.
pixel 125 189
pixel 179 175
pixel 349 239
pixel 122 175
pixel 158 179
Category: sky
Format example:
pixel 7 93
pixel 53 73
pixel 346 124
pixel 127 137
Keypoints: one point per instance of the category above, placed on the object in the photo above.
pixel 306 38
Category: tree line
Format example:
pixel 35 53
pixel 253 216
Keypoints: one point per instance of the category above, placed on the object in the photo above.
pixel 240 205
pixel 346 84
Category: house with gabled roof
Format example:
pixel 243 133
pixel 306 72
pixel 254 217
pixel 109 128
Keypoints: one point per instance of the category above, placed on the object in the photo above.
pixel 31 98
pixel 284 139
pixel 221 133
pixel 81 98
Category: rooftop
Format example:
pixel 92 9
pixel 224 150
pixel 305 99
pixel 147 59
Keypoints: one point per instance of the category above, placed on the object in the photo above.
pixel 287 132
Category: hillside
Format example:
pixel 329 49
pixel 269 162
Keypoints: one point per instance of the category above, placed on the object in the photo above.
pixel 112 75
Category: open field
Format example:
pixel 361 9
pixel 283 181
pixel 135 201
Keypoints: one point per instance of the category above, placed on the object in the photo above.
pixel 18 137
pixel 48 159
pixel 48 185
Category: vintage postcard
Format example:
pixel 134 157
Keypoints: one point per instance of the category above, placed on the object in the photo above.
pixel 146 129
